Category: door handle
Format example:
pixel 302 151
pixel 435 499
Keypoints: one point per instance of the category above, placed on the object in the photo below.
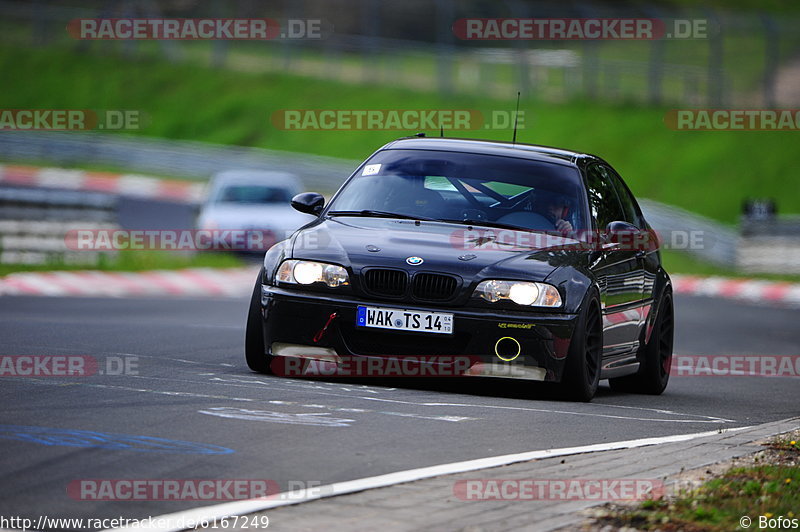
pixel 640 254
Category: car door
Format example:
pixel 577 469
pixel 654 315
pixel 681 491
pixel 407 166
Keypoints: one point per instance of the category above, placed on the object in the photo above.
pixel 646 253
pixel 617 268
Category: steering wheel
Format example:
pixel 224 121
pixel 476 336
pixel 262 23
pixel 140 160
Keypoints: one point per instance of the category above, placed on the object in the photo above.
pixel 528 220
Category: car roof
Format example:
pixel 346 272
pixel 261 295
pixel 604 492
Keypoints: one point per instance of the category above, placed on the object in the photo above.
pixel 491 147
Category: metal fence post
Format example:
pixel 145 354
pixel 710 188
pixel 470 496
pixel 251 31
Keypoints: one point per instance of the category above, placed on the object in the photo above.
pixel 445 16
pixel 520 10
pixel 655 73
pixel 771 58
pixel 370 41
pixel 716 54
pixel 219 47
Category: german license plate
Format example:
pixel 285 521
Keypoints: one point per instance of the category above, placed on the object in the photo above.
pixel 404 320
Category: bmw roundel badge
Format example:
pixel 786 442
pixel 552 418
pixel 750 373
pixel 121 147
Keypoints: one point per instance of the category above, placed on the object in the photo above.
pixel 414 261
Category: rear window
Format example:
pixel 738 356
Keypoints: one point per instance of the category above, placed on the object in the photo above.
pixel 252 194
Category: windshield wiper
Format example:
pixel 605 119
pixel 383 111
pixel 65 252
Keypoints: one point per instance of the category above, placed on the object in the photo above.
pixel 488 223
pixel 379 214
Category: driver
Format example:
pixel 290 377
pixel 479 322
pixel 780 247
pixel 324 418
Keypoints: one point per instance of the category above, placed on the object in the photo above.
pixel 555 207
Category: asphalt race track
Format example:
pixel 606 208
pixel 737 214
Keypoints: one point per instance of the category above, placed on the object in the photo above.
pixel 186 382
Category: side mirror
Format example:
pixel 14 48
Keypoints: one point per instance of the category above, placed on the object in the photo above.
pixel 309 203
pixel 618 231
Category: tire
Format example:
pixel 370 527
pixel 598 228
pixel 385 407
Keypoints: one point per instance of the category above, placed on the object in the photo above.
pixel 254 345
pixel 582 368
pixel 655 357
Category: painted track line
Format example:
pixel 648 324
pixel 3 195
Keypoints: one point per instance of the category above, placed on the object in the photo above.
pixel 179 521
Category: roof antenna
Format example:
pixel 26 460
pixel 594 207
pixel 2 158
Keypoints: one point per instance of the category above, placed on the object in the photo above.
pixel 441 131
pixel 516 113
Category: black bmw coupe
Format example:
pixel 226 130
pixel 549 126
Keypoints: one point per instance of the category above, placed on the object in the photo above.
pixel 526 261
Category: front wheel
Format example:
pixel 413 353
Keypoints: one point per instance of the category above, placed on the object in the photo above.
pixel 655 357
pixel 582 369
pixel 254 348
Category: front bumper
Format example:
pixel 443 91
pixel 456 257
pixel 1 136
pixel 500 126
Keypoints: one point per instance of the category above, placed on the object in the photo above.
pixel 326 326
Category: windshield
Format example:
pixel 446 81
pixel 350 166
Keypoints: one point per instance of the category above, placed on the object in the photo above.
pixel 252 194
pixel 467 188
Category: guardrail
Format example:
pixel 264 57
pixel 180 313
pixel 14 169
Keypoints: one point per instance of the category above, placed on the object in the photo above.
pixel 35 221
pixel 689 232
pixel 162 157
pixel 769 246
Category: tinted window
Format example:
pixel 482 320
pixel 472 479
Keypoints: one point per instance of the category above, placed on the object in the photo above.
pixel 625 198
pixel 455 186
pixel 603 201
pixel 252 194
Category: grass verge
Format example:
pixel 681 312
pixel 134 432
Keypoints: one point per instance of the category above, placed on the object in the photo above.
pixel 706 172
pixel 766 491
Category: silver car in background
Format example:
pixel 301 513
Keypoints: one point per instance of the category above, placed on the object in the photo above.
pixel 253 200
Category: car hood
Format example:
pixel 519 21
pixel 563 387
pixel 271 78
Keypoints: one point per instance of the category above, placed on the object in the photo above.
pixel 467 251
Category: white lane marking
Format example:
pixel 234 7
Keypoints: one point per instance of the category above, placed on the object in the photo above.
pixel 454 419
pixel 176 522
pixel 708 419
pixel 281 417
pixel 249 400
pixel 388 413
pixel 79 351
pixel 315 389
pixel 305 385
pixel 318 419
pixel 275 384
pixel 705 419
pixel 594 406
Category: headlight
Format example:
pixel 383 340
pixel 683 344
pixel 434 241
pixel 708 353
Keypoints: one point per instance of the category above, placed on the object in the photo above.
pixel 520 292
pixel 310 272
